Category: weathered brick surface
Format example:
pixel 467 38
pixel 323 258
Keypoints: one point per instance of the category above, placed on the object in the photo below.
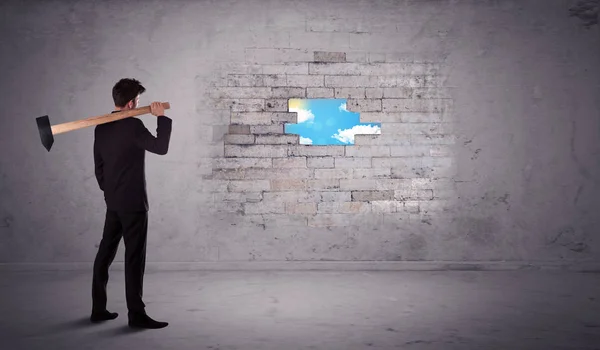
pixel 323 56
pixel 315 92
pixel 385 179
pixel 278 139
pixel 320 162
pixel 289 162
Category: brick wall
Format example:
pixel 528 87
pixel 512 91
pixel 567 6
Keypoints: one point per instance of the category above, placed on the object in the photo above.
pixel 405 172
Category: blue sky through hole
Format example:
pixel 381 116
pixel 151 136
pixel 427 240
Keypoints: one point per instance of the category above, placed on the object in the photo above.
pixel 327 122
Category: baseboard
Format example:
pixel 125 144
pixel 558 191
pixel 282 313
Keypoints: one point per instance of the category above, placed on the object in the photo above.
pixel 573 266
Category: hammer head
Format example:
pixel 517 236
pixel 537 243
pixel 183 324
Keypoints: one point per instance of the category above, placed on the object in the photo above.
pixel 43 124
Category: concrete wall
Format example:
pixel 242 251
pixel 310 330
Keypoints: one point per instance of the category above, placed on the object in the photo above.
pixel 489 146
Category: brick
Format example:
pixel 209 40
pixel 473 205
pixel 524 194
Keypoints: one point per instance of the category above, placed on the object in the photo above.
pixel 367 196
pixel 336 196
pixel 413 194
pixel 247 105
pixel 276 105
pixel 289 162
pixel 305 80
pixel 343 207
pixel 288 185
pixel 264 208
pixel 272 80
pixel 401 117
pixel 288 68
pixel 248 186
pixel 285 139
pixel 410 151
pixel 267 129
pixel 410 81
pixel 301 208
pixel 244 80
pixel 234 163
pixel 367 151
pixel 374 92
pixel 323 184
pixel 263 118
pixel 358 93
pixel 398 92
pixel 292 196
pixel 303 150
pixel 239 139
pixel 288 92
pixel 319 92
pixel 374 184
pixel 333 173
pixel 239 129
pixel 240 92
pixel 388 206
pixel 372 173
pixel 357 56
pixel 392 162
pixel 260 173
pixel 412 105
pixel 323 56
pixel 366 139
pixel 364 105
pixel 410 172
pixel 373 69
pixel 266 151
pixel 433 139
pixel 350 81
pixel 277 173
pixel 320 162
pixel 363 162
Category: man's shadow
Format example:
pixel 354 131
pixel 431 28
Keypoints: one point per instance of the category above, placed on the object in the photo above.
pixel 116 327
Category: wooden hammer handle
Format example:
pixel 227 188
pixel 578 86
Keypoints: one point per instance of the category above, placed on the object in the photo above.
pixel 102 119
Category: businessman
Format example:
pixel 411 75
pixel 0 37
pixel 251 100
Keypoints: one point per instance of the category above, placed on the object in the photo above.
pixel 119 159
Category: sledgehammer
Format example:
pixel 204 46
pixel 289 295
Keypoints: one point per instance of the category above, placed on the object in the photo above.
pixel 47 132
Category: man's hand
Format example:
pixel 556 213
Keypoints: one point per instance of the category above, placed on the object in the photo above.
pixel 157 109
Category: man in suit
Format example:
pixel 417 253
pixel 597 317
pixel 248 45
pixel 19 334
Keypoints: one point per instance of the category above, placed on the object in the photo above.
pixel 119 158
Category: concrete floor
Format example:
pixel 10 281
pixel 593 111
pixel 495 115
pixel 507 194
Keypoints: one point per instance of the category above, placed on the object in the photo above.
pixel 309 310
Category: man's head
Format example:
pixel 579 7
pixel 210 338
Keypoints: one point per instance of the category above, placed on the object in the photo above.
pixel 126 93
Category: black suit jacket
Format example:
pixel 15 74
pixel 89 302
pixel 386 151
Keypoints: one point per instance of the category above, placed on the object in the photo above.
pixel 119 158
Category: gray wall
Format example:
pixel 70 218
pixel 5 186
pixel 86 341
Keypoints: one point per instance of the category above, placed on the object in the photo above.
pixel 495 159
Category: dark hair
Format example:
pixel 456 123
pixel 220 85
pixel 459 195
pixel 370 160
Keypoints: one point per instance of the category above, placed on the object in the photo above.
pixel 126 90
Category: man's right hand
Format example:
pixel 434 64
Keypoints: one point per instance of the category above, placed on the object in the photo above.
pixel 157 109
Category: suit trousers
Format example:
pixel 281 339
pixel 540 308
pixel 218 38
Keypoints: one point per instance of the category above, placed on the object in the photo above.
pixel 133 227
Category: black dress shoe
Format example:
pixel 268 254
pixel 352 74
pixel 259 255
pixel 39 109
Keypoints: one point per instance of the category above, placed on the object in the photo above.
pixel 144 321
pixel 99 316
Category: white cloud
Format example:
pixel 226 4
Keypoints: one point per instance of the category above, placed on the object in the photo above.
pixel 305 141
pixel 342 107
pixel 347 135
pixel 304 115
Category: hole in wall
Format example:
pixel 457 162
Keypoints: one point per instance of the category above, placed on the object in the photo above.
pixel 327 122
